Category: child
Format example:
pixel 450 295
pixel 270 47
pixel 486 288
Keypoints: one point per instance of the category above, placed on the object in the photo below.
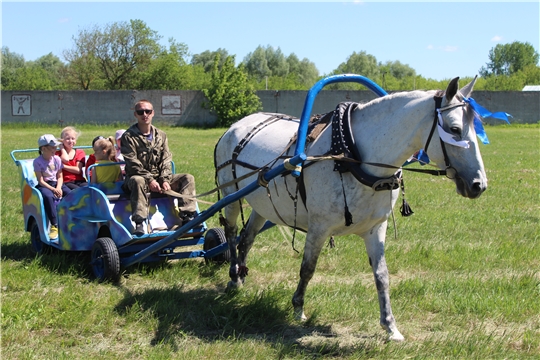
pixel 104 153
pixel 119 156
pixel 48 169
pixel 72 159
pixel 92 158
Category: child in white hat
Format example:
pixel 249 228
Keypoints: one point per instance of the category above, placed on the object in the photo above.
pixel 48 169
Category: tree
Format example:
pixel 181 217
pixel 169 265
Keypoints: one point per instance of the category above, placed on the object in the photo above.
pixel 256 64
pixel 31 78
pixel 360 63
pixel 55 69
pixel 169 71
pixel 508 59
pixel 10 63
pixel 265 62
pixel 397 69
pixel 206 59
pixel 230 96
pixel 305 72
pixel 117 54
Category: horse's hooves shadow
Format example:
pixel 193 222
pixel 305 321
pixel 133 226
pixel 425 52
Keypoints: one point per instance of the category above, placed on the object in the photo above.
pixel 212 314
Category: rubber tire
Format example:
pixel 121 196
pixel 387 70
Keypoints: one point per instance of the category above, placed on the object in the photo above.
pixel 38 246
pixel 213 238
pixel 105 260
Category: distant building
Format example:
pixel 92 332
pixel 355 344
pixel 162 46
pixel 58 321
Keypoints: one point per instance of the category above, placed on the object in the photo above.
pixel 531 88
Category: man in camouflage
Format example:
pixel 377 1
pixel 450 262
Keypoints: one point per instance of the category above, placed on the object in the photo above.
pixel 148 168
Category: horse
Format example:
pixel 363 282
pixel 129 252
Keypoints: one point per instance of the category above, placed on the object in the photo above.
pixel 385 132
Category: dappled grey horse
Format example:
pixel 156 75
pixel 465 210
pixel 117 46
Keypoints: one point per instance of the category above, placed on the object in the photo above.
pixel 341 195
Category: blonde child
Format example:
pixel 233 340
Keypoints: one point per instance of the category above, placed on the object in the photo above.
pixel 48 170
pixel 72 159
pixel 105 154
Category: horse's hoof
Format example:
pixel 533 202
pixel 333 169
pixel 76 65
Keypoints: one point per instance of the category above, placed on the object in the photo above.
pixel 299 315
pixel 234 286
pixel 396 336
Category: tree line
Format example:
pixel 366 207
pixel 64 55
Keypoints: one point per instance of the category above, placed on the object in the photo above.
pixel 128 56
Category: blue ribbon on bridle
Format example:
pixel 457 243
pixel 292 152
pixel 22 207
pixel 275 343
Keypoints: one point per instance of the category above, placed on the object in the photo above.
pixel 479 112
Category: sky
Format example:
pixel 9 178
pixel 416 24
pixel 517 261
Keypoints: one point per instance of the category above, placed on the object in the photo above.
pixel 440 40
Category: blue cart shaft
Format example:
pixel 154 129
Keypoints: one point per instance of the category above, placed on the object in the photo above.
pixel 310 98
pixel 229 199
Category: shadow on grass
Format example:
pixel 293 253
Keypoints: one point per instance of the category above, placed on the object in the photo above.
pixel 212 315
pixel 76 263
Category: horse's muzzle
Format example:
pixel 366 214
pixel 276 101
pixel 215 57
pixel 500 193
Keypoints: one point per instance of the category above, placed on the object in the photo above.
pixel 472 190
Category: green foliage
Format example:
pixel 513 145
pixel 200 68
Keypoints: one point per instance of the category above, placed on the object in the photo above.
pixel 360 63
pixel 127 55
pixel 508 59
pixel 169 71
pixel 206 59
pixel 270 65
pixel 230 95
pixel 10 63
pixel 117 53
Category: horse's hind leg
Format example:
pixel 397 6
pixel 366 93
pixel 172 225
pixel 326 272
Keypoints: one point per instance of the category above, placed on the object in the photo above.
pixel 247 236
pixel 314 243
pixel 374 241
pixel 231 229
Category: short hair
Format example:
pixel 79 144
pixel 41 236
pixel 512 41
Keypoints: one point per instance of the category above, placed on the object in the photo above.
pixel 141 102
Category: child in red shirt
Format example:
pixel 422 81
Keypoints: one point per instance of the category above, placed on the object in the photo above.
pixel 73 160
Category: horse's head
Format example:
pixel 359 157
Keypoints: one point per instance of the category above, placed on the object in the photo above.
pixel 459 146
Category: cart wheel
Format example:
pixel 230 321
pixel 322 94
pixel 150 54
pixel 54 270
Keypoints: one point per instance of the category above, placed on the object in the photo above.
pixel 38 246
pixel 213 238
pixel 105 260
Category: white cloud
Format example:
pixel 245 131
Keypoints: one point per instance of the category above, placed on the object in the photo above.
pixel 430 47
pixel 496 38
pixel 449 48
pixel 63 20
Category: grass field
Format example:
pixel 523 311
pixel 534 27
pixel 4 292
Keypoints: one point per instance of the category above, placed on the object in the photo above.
pixel 464 277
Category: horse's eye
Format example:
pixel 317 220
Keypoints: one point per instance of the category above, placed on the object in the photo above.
pixel 455 130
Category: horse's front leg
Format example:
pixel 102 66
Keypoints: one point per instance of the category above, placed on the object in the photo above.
pixel 374 241
pixel 314 243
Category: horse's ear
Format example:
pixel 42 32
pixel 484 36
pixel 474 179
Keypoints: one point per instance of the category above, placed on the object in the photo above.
pixel 468 89
pixel 452 89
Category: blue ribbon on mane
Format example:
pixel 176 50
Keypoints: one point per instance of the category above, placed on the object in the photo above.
pixel 479 112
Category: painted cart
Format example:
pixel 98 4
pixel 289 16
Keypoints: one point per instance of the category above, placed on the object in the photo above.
pixel 97 218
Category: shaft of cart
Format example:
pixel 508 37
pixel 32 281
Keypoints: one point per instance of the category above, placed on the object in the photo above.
pixel 294 161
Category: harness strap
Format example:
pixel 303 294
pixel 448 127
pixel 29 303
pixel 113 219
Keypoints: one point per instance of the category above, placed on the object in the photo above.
pixel 343 143
pixel 438 102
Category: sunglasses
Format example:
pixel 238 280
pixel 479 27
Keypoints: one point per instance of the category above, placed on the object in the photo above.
pixel 145 111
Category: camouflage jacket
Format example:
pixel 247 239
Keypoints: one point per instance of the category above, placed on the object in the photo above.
pixel 149 159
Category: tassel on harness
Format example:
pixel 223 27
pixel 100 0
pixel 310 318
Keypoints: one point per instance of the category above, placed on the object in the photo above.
pixel 405 207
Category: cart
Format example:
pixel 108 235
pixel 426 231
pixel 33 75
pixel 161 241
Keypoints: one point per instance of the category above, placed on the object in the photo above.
pixel 96 218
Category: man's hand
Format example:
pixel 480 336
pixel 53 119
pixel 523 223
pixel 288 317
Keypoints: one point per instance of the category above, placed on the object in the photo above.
pixel 166 186
pixel 154 186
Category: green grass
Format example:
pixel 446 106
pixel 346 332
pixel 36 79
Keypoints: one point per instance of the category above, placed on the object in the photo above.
pixel 465 279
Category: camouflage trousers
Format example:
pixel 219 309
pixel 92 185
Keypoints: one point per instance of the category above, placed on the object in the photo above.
pixel 137 188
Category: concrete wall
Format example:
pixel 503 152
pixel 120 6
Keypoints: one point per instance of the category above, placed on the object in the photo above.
pixel 184 108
